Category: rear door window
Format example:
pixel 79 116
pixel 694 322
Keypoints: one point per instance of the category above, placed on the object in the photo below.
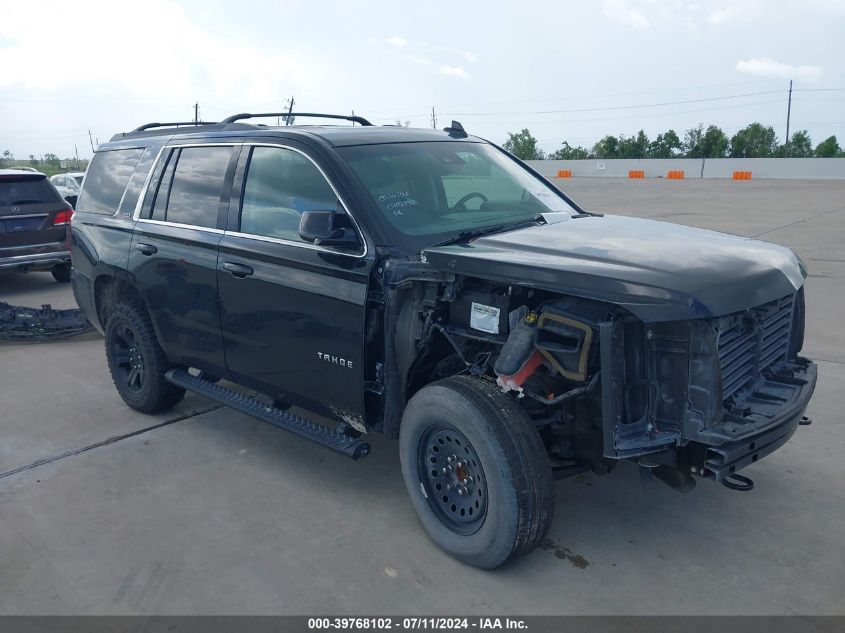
pixel 194 195
pixel 108 175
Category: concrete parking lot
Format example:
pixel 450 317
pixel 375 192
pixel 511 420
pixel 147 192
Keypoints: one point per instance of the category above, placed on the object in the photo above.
pixel 202 510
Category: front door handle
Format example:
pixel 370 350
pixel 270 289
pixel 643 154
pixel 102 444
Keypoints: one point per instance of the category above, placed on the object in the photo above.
pixel 146 249
pixel 238 270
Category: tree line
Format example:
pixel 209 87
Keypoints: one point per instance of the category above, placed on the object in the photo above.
pixel 49 163
pixel 753 141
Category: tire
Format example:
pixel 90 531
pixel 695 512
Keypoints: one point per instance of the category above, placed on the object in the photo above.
pixel 136 360
pixel 61 273
pixel 495 449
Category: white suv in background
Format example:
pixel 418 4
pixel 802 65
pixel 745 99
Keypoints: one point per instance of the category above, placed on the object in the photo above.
pixel 69 184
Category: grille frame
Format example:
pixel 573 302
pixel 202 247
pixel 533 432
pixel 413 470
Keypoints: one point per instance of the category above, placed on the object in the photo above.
pixel 751 342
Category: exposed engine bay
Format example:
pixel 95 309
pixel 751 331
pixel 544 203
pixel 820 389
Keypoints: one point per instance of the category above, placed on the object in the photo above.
pixel 680 398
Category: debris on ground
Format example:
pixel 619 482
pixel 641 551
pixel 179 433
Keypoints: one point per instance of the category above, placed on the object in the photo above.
pixel 19 323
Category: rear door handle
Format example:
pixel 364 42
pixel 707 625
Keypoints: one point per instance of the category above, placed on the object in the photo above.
pixel 238 270
pixel 146 249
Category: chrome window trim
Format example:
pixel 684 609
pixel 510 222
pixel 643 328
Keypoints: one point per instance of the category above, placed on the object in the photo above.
pixel 279 240
pixel 126 188
pixel 179 225
pixel 136 215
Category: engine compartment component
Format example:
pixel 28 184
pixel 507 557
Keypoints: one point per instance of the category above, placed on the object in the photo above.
pixel 518 358
pixel 480 310
pixel 564 342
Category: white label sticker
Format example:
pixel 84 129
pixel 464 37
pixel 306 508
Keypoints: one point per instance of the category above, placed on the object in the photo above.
pixel 552 201
pixel 484 318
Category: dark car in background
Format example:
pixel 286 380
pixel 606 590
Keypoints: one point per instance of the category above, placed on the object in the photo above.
pixel 34 224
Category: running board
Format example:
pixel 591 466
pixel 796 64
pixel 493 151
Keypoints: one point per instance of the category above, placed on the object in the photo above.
pixel 343 444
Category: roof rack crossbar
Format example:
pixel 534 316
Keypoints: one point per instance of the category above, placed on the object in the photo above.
pixel 246 115
pixel 148 126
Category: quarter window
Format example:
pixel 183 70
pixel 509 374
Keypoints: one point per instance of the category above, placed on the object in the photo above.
pixel 280 185
pixel 108 175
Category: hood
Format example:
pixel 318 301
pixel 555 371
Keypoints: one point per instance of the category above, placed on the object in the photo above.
pixel 657 270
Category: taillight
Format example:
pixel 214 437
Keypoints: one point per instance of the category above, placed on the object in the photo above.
pixel 62 217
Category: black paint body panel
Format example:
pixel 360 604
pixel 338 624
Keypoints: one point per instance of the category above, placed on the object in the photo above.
pixel 657 270
pixel 298 302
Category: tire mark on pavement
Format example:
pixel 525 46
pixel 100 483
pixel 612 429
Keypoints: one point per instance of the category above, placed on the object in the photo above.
pixel 812 217
pixel 111 440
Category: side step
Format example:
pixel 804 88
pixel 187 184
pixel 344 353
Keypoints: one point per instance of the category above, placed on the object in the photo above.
pixel 343 444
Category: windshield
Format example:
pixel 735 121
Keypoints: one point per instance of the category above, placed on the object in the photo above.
pixel 432 191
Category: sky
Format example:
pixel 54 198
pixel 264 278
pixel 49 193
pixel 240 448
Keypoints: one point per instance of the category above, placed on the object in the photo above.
pixel 572 71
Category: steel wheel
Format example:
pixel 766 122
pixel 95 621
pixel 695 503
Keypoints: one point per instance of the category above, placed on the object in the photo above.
pixel 476 471
pixel 451 473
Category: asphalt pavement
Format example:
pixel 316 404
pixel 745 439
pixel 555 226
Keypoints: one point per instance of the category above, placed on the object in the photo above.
pixel 204 511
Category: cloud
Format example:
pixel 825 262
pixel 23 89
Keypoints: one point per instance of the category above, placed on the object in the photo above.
pixel 416 59
pixel 768 67
pixel 621 11
pixel 186 58
pixel 446 59
pixel 720 16
pixel 454 71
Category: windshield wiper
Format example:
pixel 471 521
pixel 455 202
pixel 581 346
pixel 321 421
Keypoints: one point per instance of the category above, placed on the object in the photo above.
pixel 470 234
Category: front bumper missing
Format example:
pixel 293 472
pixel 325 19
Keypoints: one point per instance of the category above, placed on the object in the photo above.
pixel 719 462
pixel 766 418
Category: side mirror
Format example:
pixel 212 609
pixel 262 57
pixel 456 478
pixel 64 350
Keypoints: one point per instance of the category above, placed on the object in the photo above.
pixel 71 200
pixel 328 228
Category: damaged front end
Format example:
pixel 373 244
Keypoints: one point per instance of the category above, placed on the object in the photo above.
pixel 705 397
pixel 696 397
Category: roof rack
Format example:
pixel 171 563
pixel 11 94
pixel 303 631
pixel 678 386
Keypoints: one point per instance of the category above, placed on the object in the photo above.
pixel 246 115
pixel 148 126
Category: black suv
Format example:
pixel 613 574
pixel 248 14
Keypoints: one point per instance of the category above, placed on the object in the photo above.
pixel 34 224
pixel 429 286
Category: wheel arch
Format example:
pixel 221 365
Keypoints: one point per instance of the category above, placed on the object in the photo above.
pixel 111 288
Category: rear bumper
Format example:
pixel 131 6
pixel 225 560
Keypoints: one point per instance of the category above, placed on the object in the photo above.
pixel 717 462
pixel 43 258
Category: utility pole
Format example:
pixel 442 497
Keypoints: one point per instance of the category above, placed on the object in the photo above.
pixel 433 118
pixel 289 119
pixel 91 140
pixel 788 112
pixel 196 113
pixel 76 151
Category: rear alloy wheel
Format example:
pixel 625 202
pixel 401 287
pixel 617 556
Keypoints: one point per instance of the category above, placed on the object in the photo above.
pixel 137 362
pixel 61 273
pixel 476 471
